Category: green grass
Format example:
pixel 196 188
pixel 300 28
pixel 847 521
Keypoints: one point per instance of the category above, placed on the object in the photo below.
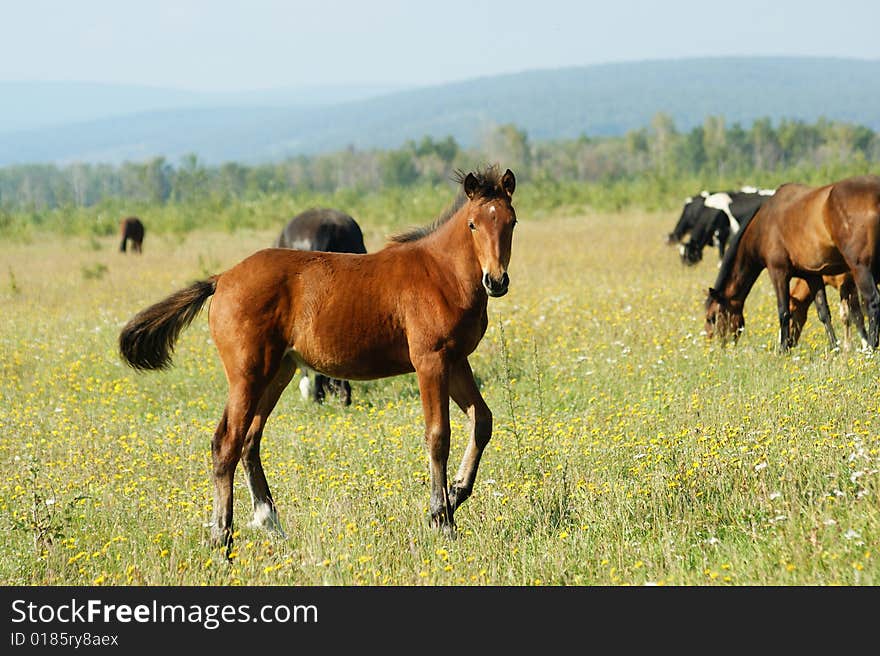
pixel 627 450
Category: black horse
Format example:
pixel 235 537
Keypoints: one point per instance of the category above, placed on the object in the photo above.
pixel 330 230
pixel 131 229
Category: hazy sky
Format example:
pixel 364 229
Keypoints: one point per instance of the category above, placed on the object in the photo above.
pixel 221 45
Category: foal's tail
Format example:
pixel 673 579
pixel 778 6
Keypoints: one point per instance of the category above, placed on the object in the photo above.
pixel 147 340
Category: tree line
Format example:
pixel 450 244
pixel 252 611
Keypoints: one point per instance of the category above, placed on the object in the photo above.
pixel 658 157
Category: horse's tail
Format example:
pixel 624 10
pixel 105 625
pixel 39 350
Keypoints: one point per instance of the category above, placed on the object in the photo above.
pixel 147 340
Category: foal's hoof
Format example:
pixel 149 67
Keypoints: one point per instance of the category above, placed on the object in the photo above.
pixel 266 518
pixel 221 538
pixel 274 530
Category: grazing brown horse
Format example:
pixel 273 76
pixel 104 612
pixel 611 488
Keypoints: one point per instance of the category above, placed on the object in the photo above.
pixel 416 305
pixel 850 308
pixel 334 231
pixel 131 229
pixel 804 232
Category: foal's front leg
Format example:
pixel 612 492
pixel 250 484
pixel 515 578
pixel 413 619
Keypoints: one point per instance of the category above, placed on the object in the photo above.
pixel 464 391
pixel 433 375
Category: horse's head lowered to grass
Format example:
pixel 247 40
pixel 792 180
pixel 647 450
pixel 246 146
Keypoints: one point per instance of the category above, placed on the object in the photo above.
pixel 724 318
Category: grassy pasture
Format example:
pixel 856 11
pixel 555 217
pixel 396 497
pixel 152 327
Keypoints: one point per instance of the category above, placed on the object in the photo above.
pixel 627 449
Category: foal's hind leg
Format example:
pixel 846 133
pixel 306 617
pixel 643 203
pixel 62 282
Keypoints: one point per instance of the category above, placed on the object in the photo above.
pixel 225 453
pixel 463 390
pixel 265 513
pixel 249 375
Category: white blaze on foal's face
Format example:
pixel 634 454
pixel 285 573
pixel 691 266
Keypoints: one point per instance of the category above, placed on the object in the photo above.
pixel 491 211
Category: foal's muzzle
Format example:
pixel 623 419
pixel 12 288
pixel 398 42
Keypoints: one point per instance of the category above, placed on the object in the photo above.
pixel 496 287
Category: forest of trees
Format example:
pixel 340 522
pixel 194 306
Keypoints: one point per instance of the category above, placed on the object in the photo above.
pixel 658 156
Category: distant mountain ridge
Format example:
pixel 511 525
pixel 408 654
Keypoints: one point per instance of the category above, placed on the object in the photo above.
pixel 38 105
pixel 600 100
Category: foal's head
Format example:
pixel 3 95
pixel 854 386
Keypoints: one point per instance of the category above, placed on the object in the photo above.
pixel 724 317
pixel 490 219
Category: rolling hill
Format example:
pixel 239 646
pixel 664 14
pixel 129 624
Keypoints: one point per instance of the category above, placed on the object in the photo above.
pixel 601 100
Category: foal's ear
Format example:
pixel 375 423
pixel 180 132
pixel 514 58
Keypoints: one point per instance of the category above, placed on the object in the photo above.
pixel 508 182
pixel 471 185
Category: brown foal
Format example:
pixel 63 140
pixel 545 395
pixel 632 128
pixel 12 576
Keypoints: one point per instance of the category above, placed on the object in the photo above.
pixel 417 305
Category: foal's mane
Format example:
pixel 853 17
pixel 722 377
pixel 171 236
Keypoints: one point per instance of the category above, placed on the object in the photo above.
pixel 488 188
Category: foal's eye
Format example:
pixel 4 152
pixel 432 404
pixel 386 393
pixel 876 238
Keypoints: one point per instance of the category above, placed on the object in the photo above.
pixel 471 225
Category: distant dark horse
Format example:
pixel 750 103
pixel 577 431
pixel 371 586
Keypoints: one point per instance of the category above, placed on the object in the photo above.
pixel 803 232
pixel 131 228
pixel 331 231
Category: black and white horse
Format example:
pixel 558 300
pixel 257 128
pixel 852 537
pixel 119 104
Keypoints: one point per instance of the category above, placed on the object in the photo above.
pixel 690 214
pixel 330 230
pixel 720 216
